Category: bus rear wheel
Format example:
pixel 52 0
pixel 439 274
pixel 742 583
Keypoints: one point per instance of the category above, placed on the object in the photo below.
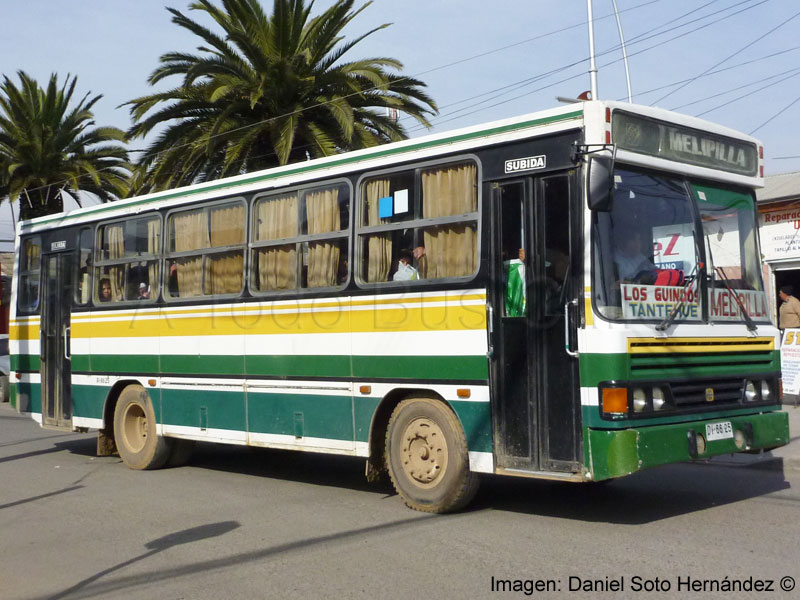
pixel 427 458
pixel 135 431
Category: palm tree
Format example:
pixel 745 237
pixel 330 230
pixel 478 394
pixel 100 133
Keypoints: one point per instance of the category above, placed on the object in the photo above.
pixel 269 90
pixel 48 147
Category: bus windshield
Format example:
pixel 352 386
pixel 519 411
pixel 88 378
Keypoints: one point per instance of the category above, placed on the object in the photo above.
pixel 660 237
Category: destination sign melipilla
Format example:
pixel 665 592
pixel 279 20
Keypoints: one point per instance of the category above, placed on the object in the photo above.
pixel 684 144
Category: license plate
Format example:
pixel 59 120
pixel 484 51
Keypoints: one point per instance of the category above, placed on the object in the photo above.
pixel 719 431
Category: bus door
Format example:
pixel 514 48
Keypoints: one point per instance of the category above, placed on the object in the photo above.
pixel 536 270
pixel 54 352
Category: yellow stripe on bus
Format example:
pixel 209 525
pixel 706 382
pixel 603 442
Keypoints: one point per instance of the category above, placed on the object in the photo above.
pixel 695 345
pixel 435 318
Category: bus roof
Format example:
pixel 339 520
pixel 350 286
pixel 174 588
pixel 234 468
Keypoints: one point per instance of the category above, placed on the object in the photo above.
pixel 570 116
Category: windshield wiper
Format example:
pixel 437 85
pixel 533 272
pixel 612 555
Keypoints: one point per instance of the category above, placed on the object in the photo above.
pixel 751 326
pixel 670 318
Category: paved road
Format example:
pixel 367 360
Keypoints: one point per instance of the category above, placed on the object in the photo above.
pixel 241 523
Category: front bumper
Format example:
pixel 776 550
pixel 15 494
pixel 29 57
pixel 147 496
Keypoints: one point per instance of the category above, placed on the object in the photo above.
pixel 614 453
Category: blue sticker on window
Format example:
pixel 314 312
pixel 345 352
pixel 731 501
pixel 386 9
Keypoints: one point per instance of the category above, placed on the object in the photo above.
pixel 385 208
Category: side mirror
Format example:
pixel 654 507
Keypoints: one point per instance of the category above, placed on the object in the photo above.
pixel 600 182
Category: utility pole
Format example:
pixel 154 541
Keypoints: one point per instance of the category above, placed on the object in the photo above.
pixel 592 66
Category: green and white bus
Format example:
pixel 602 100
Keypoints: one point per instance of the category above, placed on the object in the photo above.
pixel 574 295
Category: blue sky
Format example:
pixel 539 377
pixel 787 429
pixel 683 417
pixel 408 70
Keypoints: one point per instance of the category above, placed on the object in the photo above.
pixel 502 49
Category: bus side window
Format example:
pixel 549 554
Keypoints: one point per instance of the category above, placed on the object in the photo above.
pixel 434 221
pixel 30 270
pixel 127 255
pixel 207 245
pixel 83 274
pixel 300 239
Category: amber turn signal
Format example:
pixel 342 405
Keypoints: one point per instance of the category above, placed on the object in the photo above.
pixel 615 400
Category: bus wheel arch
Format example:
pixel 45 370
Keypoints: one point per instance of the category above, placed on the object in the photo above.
pixel 135 430
pixel 106 444
pixel 425 451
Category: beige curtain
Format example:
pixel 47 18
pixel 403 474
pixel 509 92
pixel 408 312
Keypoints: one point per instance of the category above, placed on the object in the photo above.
pixel 191 233
pixel 33 254
pixel 379 247
pixel 322 212
pixel 226 270
pixel 153 248
pixel 115 238
pixel 452 250
pixel 277 265
pixel 84 288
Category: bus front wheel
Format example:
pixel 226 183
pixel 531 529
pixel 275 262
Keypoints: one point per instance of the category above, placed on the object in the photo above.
pixel 427 458
pixel 135 431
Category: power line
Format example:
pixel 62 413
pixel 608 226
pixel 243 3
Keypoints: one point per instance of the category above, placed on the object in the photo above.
pixel 447 65
pixel 737 88
pixel 761 89
pixel 519 85
pixel 639 39
pixel 742 49
pixel 781 111
pixel 736 66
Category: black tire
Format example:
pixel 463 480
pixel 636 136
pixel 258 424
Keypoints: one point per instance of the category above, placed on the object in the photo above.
pixel 181 452
pixel 427 458
pixel 135 431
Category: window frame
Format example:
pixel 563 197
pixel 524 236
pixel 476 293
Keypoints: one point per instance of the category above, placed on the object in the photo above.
pixel 29 310
pixel 99 263
pixel 299 239
pixel 419 224
pixel 167 255
pixel 92 229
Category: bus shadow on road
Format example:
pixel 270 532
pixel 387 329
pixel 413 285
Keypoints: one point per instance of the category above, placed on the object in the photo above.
pixel 645 497
pixel 345 472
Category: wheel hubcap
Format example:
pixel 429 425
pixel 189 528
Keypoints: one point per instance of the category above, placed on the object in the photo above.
pixel 135 427
pixel 424 452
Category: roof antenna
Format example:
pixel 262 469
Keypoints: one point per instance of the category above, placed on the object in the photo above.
pixel 624 52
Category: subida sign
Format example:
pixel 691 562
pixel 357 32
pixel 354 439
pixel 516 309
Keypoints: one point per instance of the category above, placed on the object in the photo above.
pixel 526 164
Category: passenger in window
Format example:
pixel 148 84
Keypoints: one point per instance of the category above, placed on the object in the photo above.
pixel 632 265
pixel 405 270
pixel 144 291
pixel 172 282
pixel 343 271
pixel 105 290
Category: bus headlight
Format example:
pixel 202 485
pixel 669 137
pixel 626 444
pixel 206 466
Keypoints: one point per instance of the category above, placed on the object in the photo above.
pixel 766 391
pixel 658 398
pixel 639 400
pixel 750 393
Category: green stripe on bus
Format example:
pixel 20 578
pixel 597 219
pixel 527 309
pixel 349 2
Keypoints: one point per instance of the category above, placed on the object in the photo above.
pixel 125 363
pixel 298 366
pixel 217 409
pixel 345 160
pixel 473 368
pixel 310 415
pixel 88 401
pixel 595 368
pixel 25 363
